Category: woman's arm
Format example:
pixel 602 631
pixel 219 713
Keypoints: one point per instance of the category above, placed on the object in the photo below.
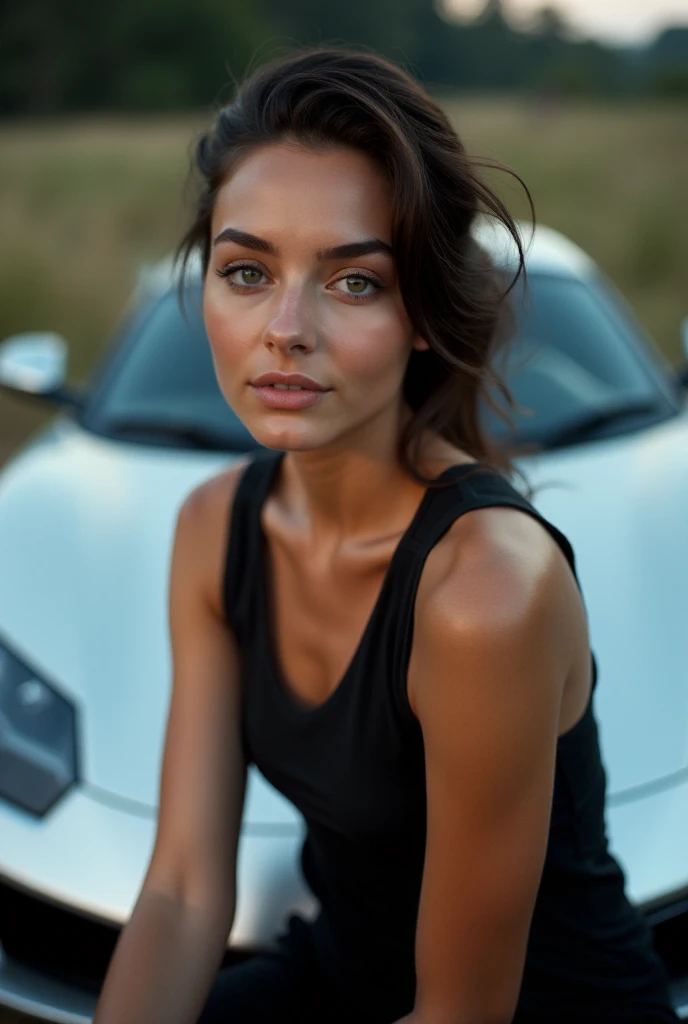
pixel 493 645
pixel 168 952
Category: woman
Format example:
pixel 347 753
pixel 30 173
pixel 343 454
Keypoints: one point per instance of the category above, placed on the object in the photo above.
pixel 370 611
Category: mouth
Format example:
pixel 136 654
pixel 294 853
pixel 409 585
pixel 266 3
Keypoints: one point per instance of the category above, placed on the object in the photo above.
pixel 289 387
pixel 290 392
pixel 288 382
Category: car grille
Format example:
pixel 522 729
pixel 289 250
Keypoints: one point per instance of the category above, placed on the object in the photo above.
pixel 60 943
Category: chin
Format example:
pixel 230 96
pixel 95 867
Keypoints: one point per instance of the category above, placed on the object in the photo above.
pixel 290 437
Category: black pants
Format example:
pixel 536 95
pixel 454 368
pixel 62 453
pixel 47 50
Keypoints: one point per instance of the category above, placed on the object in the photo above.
pixel 284 986
pixel 269 989
pixel 261 990
pixel 287 986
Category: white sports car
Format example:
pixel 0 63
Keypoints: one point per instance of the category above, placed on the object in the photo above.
pixel 87 513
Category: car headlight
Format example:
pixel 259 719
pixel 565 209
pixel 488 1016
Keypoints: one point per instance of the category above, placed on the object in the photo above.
pixel 38 756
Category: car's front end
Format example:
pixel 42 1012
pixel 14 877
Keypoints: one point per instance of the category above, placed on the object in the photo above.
pixel 86 527
pixel 87 513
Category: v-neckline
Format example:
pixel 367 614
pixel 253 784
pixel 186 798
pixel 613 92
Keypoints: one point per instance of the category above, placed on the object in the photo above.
pixel 266 602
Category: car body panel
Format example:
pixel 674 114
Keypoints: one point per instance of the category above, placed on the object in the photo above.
pixel 623 504
pixel 546 250
pixel 649 836
pixel 86 839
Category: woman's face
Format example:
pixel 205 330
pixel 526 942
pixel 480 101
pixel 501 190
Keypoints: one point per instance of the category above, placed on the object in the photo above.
pixel 301 280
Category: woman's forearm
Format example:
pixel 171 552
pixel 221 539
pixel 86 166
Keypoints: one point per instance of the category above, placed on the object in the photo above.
pixel 164 963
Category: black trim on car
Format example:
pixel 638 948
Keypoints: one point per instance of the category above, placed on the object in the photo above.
pixel 56 941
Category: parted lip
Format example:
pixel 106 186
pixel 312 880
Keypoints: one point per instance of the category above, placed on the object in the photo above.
pixel 275 377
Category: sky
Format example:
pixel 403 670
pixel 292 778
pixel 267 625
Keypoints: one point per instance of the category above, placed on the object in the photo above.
pixel 619 21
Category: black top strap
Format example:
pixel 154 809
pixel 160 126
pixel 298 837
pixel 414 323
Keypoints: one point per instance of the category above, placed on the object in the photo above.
pixel 472 485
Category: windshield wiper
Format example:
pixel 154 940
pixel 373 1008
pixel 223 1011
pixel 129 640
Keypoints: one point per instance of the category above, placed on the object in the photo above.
pixel 581 427
pixel 190 434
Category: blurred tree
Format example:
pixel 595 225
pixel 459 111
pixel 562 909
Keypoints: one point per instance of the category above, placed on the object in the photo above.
pixel 670 83
pixel 61 55
pixel 34 63
pixel 74 54
pixel 393 27
pixel 667 63
pixel 671 47
pixel 549 22
pixel 492 11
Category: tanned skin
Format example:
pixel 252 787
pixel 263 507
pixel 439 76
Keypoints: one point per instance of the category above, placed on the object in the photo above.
pixel 500 664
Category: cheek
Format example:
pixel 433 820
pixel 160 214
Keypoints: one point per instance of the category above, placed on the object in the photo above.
pixel 229 335
pixel 377 349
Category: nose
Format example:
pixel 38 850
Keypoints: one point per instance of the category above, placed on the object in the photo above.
pixel 290 330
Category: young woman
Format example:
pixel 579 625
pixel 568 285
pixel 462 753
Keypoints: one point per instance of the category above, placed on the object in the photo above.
pixel 370 611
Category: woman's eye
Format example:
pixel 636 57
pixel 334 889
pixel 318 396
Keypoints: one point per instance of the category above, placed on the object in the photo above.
pixel 249 275
pixel 242 276
pixel 357 284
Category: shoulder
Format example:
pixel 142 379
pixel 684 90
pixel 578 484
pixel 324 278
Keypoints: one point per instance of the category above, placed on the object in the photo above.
pixel 202 528
pixel 497 587
pixel 493 565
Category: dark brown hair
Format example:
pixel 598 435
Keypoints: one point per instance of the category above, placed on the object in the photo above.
pixel 454 296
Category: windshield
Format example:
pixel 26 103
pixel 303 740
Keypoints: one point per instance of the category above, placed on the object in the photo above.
pixel 574 358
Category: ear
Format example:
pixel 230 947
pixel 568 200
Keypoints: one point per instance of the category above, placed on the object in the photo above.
pixel 420 344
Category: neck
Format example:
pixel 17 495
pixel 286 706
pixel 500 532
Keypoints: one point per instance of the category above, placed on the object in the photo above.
pixel 354 487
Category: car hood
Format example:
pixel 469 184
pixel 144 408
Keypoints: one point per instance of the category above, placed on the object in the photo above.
pixel 86 530
pixel 623 504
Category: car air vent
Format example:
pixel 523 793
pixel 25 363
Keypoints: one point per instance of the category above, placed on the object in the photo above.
pixel 54 940
pixel 59 942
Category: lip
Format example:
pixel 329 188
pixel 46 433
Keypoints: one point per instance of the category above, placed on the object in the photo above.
pixel 276 377
pixel 309 394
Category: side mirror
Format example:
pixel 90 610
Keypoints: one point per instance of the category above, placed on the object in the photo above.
pixel 683 371
pixel 35 364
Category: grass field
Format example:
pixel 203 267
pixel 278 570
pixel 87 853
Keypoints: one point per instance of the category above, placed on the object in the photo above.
pixel 84 203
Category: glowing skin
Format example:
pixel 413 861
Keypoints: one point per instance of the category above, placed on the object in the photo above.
pixel 300 309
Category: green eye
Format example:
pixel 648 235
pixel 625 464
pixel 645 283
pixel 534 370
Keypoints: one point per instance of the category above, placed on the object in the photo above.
pixel 250 275
pixel 357 284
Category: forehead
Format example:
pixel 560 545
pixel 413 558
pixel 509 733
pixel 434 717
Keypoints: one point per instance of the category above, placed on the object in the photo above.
pixel 334 194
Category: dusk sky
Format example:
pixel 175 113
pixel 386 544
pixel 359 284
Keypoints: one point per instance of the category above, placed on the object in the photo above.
pixel 615 20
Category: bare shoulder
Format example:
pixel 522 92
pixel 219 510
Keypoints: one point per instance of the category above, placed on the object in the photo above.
pixel 497 580
pixel 204 517
pixel 493 560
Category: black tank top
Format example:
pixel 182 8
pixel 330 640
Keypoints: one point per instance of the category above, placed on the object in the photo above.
pixel 354 767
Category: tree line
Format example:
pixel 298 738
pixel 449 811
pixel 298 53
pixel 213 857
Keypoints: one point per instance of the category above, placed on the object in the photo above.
pixel 62 56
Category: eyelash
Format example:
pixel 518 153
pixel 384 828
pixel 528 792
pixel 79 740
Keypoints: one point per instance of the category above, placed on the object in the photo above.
pixel 232 268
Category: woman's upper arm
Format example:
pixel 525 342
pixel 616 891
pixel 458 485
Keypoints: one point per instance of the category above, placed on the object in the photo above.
pixel 203 772
pixel 492 650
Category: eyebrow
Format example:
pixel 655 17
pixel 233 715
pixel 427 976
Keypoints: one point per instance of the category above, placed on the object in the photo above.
pixel 347 251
